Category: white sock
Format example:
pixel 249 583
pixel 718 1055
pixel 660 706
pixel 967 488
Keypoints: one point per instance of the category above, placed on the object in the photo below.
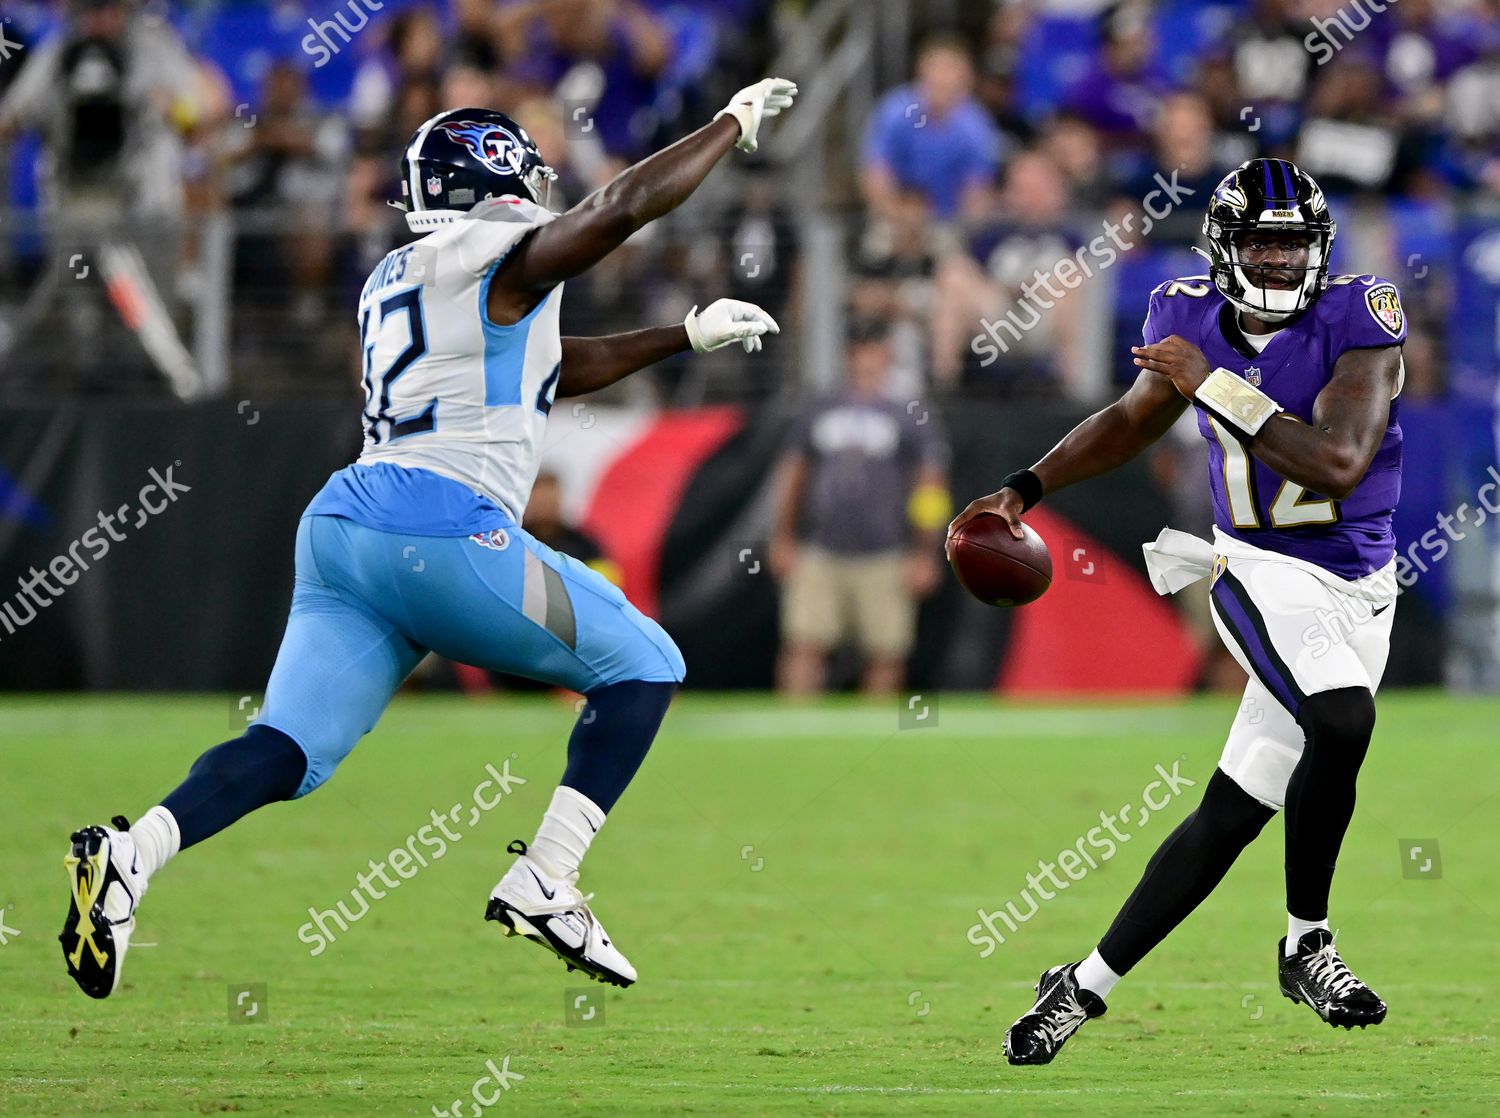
pixel 571 822
pixel 1296 928
pixel 1094 974
pixel 157 839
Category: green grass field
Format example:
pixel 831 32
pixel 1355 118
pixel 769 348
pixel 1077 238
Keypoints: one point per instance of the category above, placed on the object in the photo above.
pixel 795 886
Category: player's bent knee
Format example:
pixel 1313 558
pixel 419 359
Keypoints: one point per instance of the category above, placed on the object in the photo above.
pixel 658 660
pixel 1232 810
pixel 676 665
pixel 319 769
pixel 321 757
pixel 262 755
pixel 260 767
pixel 1341 719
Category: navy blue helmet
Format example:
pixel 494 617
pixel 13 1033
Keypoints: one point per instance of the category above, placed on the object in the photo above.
pixel 461 157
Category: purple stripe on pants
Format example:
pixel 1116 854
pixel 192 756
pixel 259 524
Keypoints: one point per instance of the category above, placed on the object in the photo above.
pixel 1267 664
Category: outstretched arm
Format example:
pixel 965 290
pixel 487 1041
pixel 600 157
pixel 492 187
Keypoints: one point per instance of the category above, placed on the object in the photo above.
pixel 589 364
pixel 637 196
pixel 601 222
pixel 1350 415
pixel 1102 442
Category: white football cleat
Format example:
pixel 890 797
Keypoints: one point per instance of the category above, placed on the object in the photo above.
pixel 529 901
pixel 106 885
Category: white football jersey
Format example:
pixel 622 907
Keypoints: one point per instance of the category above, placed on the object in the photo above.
pixel 446 389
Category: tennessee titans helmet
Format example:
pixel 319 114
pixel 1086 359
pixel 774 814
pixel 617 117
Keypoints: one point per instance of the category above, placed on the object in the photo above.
pixel 461 157
pixel 1268 195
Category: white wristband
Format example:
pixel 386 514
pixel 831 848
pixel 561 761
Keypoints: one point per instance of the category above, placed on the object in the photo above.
pixel 1236 401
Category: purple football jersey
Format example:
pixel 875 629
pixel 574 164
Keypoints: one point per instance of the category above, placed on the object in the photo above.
pixel 1353 537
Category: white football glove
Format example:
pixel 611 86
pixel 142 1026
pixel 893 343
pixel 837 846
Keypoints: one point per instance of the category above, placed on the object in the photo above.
pixel 764 98
pixel 728 320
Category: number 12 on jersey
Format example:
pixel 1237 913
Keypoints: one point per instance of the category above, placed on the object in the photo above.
pixel 1291 507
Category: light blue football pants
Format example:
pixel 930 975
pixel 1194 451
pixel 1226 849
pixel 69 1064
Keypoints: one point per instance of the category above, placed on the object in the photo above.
pixel 368 605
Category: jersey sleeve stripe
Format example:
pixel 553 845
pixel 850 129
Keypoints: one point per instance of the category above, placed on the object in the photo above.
pixel 504 349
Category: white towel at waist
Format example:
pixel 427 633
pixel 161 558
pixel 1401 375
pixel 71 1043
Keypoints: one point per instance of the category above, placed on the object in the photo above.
pixel 1178 559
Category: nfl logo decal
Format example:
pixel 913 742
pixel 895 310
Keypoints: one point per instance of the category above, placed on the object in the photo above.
pixel 434 185
pixel 1252 375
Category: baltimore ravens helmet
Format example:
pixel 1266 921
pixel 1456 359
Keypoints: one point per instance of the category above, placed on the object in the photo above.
pixel 461 157
pixel 1267 195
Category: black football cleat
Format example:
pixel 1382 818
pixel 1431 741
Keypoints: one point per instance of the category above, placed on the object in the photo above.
pixel 1062 1006
pixel 1317 977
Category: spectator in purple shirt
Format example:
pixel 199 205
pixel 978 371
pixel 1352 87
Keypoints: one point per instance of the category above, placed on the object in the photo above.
pixel 1420 51
pixel 933 137
pixel 1119 98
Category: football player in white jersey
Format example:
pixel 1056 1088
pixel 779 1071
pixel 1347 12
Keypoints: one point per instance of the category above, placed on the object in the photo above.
pixel 418 545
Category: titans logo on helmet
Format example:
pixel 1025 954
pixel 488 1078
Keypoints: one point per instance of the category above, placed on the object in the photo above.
pixel 492 145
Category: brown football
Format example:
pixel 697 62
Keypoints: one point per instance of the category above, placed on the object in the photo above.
pixel 997 568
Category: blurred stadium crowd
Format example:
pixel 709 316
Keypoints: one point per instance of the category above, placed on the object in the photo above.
pixel 199 190
pixel 1023 129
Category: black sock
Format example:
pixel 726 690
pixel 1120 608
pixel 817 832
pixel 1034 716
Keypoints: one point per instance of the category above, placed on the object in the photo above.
pixel 234 778
pixel 1320 795
pixel 1184 870
pixel 612 736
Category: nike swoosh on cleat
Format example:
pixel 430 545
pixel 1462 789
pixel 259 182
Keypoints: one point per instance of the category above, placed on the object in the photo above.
pixel 548 893
pixel 1308 1000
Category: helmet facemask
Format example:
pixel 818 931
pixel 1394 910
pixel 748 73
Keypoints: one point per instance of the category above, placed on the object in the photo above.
pixel 1272 304
pixel 538 182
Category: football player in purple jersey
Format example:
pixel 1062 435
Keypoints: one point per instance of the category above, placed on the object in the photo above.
pixel 1294 377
